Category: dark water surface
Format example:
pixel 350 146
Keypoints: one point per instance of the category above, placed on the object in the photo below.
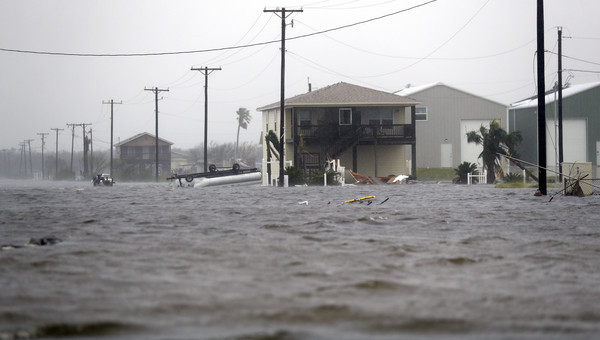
pixel 435 261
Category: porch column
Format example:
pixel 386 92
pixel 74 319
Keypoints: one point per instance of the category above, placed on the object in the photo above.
pixel 294 134
pixel 413 113
pixel 355 158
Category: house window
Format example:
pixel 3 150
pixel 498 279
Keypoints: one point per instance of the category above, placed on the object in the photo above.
pixel 381 118
pixel 304 118
pixel 345 116
pixel 146 152
pixel 421 113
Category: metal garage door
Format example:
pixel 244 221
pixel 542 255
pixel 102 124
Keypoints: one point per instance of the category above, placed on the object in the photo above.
pixel 469 152
pixel 574 142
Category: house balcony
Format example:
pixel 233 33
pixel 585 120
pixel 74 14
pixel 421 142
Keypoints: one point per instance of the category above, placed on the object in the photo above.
pixel 364 134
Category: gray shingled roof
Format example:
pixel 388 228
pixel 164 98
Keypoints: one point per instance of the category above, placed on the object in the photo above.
pixel 140 135
pixel 344 94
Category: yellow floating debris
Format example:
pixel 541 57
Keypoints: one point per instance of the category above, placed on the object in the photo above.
pixel 359 199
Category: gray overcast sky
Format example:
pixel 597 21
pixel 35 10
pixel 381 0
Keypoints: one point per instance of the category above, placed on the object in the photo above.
pixel 486 47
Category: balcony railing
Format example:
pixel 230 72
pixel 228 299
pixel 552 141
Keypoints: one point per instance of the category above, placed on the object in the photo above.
pixel 399 131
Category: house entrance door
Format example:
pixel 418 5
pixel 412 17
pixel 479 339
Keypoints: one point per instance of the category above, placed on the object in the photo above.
pixel 446 153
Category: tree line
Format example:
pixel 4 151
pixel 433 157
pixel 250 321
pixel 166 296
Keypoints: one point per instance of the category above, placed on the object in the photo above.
pixel 16 165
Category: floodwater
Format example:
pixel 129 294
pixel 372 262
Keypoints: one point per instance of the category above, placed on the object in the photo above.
pixel 434 261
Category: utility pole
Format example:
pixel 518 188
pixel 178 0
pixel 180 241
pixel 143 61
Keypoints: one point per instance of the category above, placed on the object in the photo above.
pixel 85 162
pixel 283 14
pixel 56 166
pixel 112 103
pixel 23 161
pixel 91 151
pixel 43 134
pixel 28 141
pixel 156 90
pixel 206 71
pixel 560 106
pixel 541 89
pixel 85 151
pixel 72 143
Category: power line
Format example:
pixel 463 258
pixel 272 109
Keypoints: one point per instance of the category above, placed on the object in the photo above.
pixel 156 54
pixel 424 58
pixel 583 71
pixel 573 58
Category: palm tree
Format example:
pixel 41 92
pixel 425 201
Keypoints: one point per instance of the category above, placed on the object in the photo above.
pixel 272 143
pixel 496 143
pixel 462 172
pixel 243 119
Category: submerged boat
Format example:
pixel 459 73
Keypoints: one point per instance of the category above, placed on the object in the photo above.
pixel 103 179
pixel 219 176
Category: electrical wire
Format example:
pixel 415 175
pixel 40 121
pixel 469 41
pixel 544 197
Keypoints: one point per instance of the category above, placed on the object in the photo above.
pixel 333 72
pixel 218 59
pixel 583 71
pixel 337 6
pixel 427 58
pixel 436 49
pixel 262 71
pixel 573 58
pixel 216 49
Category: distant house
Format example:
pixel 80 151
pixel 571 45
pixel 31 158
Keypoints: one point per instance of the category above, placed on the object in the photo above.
pixel 371 132
pixel 180 162
pixel 581 126
pixel 444 117
pixel 139 151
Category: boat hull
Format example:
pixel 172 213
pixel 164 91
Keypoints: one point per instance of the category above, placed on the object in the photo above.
pixel 248 178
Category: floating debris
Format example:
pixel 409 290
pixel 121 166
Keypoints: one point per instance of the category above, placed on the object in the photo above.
pixel 359 199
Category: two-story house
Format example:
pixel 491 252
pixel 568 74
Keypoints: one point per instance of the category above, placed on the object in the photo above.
pixel 371 132
pixel 139 151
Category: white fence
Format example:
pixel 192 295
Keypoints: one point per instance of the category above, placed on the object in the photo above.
pixel 481 179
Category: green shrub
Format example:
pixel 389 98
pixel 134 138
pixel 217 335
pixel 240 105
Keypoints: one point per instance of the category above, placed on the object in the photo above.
pixel 463 170
pixel 316 178
pixel 296 176
pixel 513 177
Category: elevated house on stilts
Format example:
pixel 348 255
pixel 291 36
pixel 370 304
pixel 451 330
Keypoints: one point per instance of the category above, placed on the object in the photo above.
pixel 371 132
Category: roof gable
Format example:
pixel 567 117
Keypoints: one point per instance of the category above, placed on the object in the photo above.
pixel 412 90
pixel 549 98
pixel 344 94
pixel 140 137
